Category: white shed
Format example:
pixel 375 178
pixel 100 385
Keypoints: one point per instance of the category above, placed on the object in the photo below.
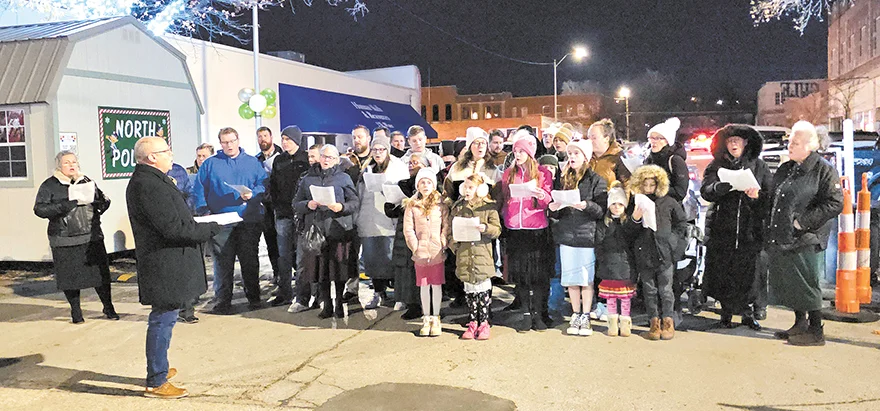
pixel 94 87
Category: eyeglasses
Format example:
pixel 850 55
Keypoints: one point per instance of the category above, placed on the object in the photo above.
pixel 379 149
pixel 224 143
pixel 326 157
pixel 163 151
pixel 657 138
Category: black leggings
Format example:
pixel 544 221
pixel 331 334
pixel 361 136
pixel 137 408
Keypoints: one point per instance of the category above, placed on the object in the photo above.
pixel 103 293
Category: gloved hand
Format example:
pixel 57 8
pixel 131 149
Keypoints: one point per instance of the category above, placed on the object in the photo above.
pixel 723 188
pixel 215 228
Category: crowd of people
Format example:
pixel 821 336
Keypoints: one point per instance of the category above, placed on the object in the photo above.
pixel 563 211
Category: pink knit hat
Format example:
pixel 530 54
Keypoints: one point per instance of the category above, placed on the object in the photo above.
pixel 527 144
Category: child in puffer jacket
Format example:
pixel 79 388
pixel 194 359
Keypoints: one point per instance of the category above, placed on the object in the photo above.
pixel 613 262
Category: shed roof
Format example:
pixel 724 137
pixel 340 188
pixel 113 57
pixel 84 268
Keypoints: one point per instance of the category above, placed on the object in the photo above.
pixel 33 56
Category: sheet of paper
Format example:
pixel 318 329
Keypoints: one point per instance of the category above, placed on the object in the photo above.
pixel 222 219
pixel 464 229
pixel 82 193
pixel 632 163
pixel 566 198
pixel 323 195
pixel 524 190
pixel 393 193
pixel 242 190
pixel 649 217
pixel 740 179
pixel 374 181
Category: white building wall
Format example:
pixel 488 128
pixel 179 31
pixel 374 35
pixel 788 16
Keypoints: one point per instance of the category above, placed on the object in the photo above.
pixel 221 71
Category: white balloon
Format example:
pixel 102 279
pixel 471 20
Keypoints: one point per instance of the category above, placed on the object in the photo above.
pixel 257 103
pixel 245 94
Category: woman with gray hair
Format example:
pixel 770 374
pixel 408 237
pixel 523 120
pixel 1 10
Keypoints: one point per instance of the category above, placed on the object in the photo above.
pixel 75 236
pixel 806 197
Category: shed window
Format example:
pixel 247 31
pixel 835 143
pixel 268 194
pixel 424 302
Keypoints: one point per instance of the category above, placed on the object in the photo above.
pixel 13 138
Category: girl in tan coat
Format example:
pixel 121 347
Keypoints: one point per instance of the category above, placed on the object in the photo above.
pixel 426 229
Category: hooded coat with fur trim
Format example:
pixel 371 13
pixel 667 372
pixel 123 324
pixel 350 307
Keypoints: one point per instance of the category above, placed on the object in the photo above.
pixel 735 222
pixel 657 250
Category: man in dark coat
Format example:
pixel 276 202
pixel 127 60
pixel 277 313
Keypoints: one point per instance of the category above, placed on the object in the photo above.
pixel 170 267
pixel 735 223
pixel 268 152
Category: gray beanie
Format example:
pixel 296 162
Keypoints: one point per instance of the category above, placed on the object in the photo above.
pixel 548 160
pixel 294 134
pixel 381 141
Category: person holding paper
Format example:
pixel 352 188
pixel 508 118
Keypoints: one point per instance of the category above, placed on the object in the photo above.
pixel 426 230
pixel 527 242
pixel 73 204
pixel 214 194
pixel 336 223
pixel 574 230
pixel 170 263
pixel 657 251
pixel 474 264
pixel 375 229
pixel 806 198
pixel 735 224
pixel 669 157
pixel 406 293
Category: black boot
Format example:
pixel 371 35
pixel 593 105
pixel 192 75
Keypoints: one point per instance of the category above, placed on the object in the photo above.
pixel 727 320
pixel 749 320
pixel 412 312
pixel 104 294
pixel 526 322
pixel 799 327
pixel 517 299
pixel 814 336
pixel 538 310
pixel 76 314
pixel 340 310
pixel 324 294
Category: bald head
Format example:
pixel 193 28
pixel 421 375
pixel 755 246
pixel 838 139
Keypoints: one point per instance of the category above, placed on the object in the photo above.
pixel 154 152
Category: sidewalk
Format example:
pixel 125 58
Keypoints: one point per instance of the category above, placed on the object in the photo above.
pixel 270 359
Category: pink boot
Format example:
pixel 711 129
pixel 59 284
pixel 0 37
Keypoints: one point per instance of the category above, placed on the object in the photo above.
pixel 483 331
pixel 471 330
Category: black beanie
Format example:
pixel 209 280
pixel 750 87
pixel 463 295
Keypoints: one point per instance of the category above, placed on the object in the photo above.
pixel 294 134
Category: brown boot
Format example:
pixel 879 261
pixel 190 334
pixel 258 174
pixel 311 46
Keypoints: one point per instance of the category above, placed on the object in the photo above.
pixel 653 334
pixel 667 329
pixel 166 391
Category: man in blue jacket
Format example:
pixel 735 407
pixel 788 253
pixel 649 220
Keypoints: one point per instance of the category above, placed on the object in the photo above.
pixel 232 181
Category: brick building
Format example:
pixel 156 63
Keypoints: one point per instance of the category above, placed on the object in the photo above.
pixel 451 113
pixel 854 63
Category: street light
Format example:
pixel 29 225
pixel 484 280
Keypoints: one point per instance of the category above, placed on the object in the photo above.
pixel 623 94
pixel 578 53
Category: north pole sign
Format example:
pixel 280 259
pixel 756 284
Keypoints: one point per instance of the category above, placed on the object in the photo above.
pixel 120 129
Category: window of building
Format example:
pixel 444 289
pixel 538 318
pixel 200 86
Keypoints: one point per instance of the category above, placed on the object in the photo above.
pixel 424 112
pixel 874 37
pixel 778 98
pixel 449 112
pixel 545 110
pixel 435 113
pixel 13 138
pixel 465 113
pixel 487 112
pixel 513 112
pixel 569 111
pixel 849 54
pixel 863 37
pixel 524 111
pixel 582 110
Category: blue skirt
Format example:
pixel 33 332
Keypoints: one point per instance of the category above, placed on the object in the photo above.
pixel 377 257
pixel 578 266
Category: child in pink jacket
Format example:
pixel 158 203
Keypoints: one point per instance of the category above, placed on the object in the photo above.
pixel 426 228
pixel 527 240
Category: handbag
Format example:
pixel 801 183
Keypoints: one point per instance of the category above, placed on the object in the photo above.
pixel 337 228
pixel 313 239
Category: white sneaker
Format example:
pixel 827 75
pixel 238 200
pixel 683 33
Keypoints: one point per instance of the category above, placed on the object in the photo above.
pixel 600 313
pixel 574 324
pixel 585 329
pixel 426 326
pixel 399 306
pixel 374 303
pixel 296 308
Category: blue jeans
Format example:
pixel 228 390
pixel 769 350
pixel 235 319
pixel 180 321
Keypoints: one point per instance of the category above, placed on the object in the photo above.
pixel 159 327
pixel 286 235
pixel 241 240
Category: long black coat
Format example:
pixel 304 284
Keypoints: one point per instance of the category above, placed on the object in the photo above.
pixel 168 242
pixel 735 222
pixel 577 228
pixel 809 193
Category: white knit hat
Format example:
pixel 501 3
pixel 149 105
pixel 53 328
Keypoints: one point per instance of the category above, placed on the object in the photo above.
pixel 585 146
pixel 474 133
pixel 667 129
pixel 426 172
pixel 617 195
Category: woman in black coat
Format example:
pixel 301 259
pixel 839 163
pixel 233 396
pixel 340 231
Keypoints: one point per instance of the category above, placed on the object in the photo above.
pixel 405 289
pixel 75 236
pixel 335 221
pixel 735 223
pixel 806 197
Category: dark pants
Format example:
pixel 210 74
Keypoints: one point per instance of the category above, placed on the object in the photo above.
pixel 761 287
pixel 304 282
pixel 271 237
pixel 102 291
pixel 159 326
pixel 241 240
pixel 657 284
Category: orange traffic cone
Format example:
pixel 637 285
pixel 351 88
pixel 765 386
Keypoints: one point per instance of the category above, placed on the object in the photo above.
pixel 845 298
pixel 863 243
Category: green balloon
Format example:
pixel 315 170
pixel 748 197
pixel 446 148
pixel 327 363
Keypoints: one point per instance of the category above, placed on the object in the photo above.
pixel 245 112
pixel 269 112
pixel 270 96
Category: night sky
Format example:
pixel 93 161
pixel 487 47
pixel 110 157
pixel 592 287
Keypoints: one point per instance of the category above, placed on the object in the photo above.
pixel 706 45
